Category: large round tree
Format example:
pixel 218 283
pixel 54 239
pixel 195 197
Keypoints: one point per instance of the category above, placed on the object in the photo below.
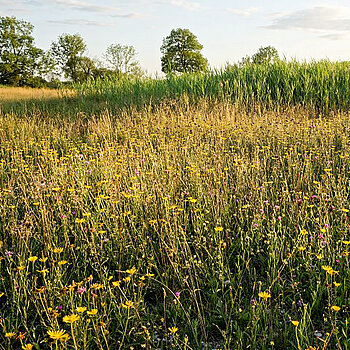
pixel 182 53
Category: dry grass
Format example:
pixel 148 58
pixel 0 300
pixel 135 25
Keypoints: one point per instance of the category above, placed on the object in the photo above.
pixel 25 93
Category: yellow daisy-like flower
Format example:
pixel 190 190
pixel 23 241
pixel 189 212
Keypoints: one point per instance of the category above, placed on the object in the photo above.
pixel 336 284
pixel 27 347
pixel 295 323
pixel 10 335
pixel 58 335
pixel 264 295
pixel 33 259
pixel 71 318
pixel 131 271
pixel 92 312
pixel 128 304
pixel 335 308
pixel 326 268
pixel 62 262
pixel 219 229
pixel 58 250
pixel 116 283
pixel 81 309
pixel 173 330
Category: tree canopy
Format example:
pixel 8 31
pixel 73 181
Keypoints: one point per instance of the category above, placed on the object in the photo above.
pixel 68 52
pixel 182 53
pixel 266 54
pixel 122 60
pixel 21 62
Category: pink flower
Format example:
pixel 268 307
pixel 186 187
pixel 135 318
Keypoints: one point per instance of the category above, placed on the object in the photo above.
pixel 81 290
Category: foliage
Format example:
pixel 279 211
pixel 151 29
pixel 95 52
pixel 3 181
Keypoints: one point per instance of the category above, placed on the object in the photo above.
pixel 265 55
pixel 21 62
pixel 122 60
pixel 68 52
pixel 181 53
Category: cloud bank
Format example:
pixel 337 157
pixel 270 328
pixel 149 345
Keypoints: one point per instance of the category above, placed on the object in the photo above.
pixel 328 22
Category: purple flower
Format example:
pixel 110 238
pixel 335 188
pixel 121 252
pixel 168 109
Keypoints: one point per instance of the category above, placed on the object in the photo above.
pixel 177 294
pixel 60 307
pixel 81 290
pixel 8 253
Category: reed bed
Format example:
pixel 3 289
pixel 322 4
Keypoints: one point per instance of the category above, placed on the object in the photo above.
pixel 320 86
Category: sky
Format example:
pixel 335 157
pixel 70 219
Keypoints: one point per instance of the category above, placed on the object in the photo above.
pixel 228 30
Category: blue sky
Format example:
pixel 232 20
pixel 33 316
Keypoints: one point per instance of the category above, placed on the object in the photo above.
pixel 228 30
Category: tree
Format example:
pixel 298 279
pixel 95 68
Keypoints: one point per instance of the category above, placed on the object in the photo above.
pixel 20 61
pixel 266 54
pixel 181 53
pixel 68 52
pixel 122 60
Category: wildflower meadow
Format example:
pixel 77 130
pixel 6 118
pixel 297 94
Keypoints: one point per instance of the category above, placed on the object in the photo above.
pixel 177 225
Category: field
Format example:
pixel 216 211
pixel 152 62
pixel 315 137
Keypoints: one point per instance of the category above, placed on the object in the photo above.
pixel 178 225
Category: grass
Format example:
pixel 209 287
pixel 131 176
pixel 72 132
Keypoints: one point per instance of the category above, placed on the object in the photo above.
pixel 10 94
pixel 179 226
pixel 319 86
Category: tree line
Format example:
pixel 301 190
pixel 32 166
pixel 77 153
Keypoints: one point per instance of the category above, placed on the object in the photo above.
pixel 24 64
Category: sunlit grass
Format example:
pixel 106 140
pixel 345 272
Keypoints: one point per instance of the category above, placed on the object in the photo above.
pixel 22 93
pixel 181 226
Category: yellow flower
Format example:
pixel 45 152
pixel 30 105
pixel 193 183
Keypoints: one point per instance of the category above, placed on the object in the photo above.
pixel 62 262
pixel 43 271
pixel 116 283
pixel 81 309
pixel 219 229
pixel 335 308
pixel 173 330
pixel 10 335
pixel 264 295
pixel 295 323
pixel 27 347
pixel 344 210
pixel 346 242
pixel 79 221
pixel 32 259
pixel 303 232
pixel 43 259
pixel 58 250
pixel 327 268
pixel 92 312
pixel 57 335
pixel 128 304
pixel 131 271
pixel 336 284
pixel 71 318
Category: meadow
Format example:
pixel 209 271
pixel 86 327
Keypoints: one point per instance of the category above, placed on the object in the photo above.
pixel 182 224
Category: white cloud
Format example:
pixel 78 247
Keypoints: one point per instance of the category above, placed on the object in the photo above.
pixel 81 22
pixel 329 22
pixel 188 5
pixel 85 6
pixel 246 12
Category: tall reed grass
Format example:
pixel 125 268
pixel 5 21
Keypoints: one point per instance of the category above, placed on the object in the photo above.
pixel 321 86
